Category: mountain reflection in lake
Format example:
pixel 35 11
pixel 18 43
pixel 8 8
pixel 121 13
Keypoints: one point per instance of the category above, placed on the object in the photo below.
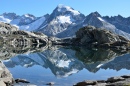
pixel 67 66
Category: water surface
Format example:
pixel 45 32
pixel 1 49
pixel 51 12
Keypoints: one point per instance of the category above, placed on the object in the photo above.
pixel 67 66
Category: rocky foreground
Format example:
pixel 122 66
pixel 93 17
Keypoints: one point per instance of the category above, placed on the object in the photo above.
pixel 10 35
pixel 6 78
pixel 112 81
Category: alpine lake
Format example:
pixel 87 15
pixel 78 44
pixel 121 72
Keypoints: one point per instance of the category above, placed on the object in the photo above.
pixel 65 66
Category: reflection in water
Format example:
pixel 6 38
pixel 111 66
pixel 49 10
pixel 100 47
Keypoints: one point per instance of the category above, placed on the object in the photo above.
pixel 8 51
pixel 93 59
pixel 64 62
pixel 121 62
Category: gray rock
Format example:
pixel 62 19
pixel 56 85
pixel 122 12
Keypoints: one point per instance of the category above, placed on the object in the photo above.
pixel 88 82
pixel 112 81
pixel 6 78
pixel 21 80
pixel 104 36
pixel 91 34
pixel 50 83
pixel 115 79
pixel 126 76
pixel 7 27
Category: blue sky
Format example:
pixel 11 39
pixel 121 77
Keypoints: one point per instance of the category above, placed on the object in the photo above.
pixel 41 7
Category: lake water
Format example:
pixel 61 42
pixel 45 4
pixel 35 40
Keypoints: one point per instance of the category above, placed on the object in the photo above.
pixel 67 66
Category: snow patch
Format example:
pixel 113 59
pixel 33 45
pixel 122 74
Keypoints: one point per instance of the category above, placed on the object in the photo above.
pixel 100 18
pixel 64 8
pixel 99 65
pixel 63 63
pixel 26 15
pixel 5 19
pixel 16 25
pixel 71 72
pixel 64 19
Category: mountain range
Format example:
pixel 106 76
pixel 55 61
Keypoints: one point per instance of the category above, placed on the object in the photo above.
pixel 64 21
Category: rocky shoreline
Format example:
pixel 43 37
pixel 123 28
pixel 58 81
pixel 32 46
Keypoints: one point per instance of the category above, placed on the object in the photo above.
pixel 112 81
pixel 6 78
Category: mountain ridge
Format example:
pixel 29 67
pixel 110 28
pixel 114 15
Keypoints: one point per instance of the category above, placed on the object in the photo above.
pixel 64 21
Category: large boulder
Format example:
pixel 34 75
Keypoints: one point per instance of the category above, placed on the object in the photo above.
pixel 105 36
pixel 90 34
pixel 85 35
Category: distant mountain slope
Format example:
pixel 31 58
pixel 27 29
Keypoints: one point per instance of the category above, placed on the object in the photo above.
pixel 64 21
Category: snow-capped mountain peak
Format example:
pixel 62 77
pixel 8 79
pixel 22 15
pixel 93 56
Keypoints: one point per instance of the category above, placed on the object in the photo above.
pixel 63 8
pixel 29 16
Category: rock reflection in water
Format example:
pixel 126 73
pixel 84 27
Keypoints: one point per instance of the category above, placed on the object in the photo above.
pixel 95 60
pixel 64 61
pixel 8 51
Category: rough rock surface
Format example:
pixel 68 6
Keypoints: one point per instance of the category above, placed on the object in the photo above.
pixel 11 35
pixel 112 81
pixel 6 78
pixel 90 34
pixel 7 27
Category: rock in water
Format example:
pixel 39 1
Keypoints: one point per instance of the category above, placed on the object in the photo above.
pixel 50 83
pixel 21 80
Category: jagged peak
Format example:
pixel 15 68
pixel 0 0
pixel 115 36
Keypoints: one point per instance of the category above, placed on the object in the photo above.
pixel 96 14
pixel 64 8
pixel 61 6
pixel 28 15
pixel 9 14
pixel 46 15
